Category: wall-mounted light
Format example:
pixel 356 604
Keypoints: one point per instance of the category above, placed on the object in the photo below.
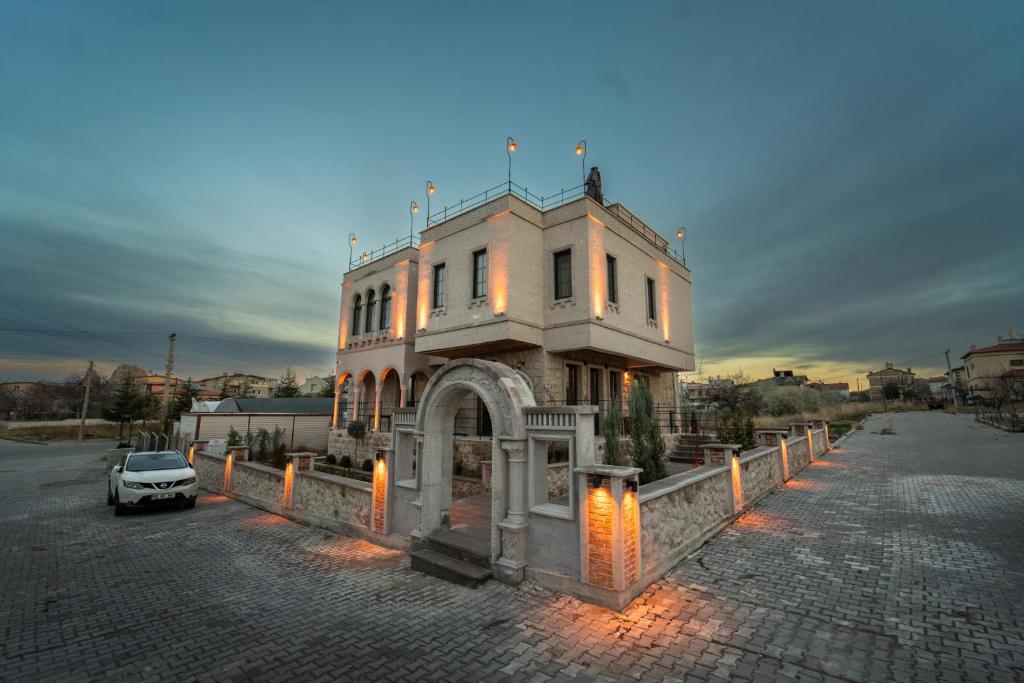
pixel 595 481
pixel 379 456
pixel 633 485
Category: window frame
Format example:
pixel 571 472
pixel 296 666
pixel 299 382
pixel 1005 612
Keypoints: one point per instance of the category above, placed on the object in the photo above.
pixel 371 310
pixel 650 293
pixel 357 315
pixel 442 266
pixel 476 294
pixel 566 253
pixel 612 278
pixel 384 317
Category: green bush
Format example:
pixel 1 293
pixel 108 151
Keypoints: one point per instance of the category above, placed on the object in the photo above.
pixel 648 444
pixel 356 429
pixel 737 427
pixel 345 461
pixel 367 465
pixel 331 460
pixel 610 430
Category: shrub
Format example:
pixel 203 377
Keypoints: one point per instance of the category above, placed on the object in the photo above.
pixel 345 461
pixel 331 460
pixel 356 429
pixel 367 465
pixel 648 444
pixel 234 438
pixel 737 427
pixel 610 431
pixel 280 457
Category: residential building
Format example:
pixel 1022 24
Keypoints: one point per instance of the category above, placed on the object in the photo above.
pixel 988 367
pixel 840 388
pixel 938 385
pixel 786 378
pixel 240 384
pixel 313 386
pixel 153 384
pixel 581 299
pixel 879 379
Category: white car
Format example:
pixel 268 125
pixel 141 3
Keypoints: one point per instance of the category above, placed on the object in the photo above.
pixel 152 478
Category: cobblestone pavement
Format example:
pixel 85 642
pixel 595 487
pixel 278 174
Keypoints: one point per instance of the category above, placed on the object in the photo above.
pixel 898 558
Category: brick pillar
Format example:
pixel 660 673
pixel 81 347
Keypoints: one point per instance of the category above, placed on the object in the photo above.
pixel 798 429
pixel 239 453
pixel 383 472
pixel 769 437
pixel 609 513
pixel 822 423
pixel 719 453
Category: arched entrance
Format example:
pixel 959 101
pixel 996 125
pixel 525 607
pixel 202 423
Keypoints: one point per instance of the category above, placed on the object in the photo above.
pixel 504 393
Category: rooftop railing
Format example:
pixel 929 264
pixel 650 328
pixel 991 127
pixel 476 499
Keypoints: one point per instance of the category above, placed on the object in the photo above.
pixel 379 253
pixel 544 203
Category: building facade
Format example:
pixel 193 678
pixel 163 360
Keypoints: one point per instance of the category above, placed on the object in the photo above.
pixel 879 379
pixel 581 300
pixel 987 369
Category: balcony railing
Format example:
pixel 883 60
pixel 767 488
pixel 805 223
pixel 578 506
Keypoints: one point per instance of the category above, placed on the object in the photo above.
pixel 379 253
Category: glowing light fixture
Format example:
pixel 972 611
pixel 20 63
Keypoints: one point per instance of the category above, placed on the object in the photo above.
pixel 414 209
pixel 581 152
pixel 510 146
pixel 430 190
pixel 681 234
pixel 351 243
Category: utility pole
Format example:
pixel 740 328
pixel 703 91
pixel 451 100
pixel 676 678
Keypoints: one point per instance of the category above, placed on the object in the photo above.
pixel 952 385
pixel 166 408
pixel 85 403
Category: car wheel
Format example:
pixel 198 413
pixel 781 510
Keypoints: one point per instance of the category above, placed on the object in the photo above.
pixel 119 507
pixel 190 503
pixel 110 498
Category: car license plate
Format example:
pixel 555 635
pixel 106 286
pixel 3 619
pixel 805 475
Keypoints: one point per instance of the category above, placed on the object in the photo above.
pixel 162 496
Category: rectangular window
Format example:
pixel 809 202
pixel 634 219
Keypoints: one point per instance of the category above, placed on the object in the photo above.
pixel 1016 362
pixel 651 305
pixel 563 274
pixel 437 301
pixel 480 274
pixel 613 281
pixel 572 385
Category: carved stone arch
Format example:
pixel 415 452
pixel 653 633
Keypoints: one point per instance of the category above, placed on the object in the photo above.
pixel 502 389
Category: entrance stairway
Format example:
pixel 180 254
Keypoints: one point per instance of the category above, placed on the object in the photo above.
pixel 687 448
pixel 454 557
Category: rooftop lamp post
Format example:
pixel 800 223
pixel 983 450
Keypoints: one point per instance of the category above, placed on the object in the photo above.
pixel 430 190
pixel 351 243
pixel 581 152
pixel 414 209
pixel 510 146
pixel 681 234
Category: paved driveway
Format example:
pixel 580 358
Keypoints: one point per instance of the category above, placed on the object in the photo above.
pixel 898 558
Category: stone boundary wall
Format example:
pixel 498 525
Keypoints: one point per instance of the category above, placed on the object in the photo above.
pixel 678 514
pixel 323 500
pixel 339 443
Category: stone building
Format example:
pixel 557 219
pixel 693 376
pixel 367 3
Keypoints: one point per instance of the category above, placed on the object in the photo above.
pixel 581 299
pixel 879 379
pixel 987 366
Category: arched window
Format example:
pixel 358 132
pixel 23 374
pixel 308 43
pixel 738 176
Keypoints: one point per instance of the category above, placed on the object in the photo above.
pixel 385 309
pixel 371 309
pixel 357 312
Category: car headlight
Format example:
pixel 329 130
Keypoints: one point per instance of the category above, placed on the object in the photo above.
pixel 131 484
pixel 186 482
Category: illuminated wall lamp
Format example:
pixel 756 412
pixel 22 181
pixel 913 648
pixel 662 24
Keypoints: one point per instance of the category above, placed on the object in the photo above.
pixel 633 485
pixel 595 481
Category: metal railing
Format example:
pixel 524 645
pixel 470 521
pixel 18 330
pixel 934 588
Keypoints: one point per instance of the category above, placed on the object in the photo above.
pixel 1008 420
pixel 379 253
pixel 543 203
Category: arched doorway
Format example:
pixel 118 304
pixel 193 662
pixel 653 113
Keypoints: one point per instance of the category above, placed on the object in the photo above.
pixel 366 399
pixel 390 393
pixel 504 393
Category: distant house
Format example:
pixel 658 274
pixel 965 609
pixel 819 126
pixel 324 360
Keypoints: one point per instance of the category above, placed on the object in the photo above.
pixel 840 388
pixel 937 385
pixel 988 365
pixel 786 378
pixel 300 405
pixel 241 384
pixel 879 379
pixel 313 386
pixel 154 386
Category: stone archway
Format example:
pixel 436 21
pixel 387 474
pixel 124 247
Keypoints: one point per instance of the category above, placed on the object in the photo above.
pixel 505 394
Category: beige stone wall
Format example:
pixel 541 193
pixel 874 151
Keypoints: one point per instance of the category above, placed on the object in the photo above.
pixel 339 443
pixel 328 497
pixel 677 522
pixel 258 482
pixel 760 472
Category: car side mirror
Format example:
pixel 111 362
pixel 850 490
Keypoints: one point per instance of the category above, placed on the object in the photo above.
pixel 117 468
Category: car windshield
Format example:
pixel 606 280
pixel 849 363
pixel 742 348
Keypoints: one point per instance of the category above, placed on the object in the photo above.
pixel 144 462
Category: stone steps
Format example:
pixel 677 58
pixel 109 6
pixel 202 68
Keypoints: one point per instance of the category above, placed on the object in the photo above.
pixel 454 557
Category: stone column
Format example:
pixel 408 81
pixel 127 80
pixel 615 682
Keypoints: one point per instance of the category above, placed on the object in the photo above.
pixel 337 401
pixel 609 514
pixel 376 405
pixel 769 437
pixel 239 453
pixel 511 566
pixel 355 394
pixel 402 390
pixel 822 423
pixel 798 429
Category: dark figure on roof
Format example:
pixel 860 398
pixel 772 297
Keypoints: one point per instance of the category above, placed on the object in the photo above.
pixel 593 186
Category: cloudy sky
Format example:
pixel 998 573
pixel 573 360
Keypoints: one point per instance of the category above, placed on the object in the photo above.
pixel 851 174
